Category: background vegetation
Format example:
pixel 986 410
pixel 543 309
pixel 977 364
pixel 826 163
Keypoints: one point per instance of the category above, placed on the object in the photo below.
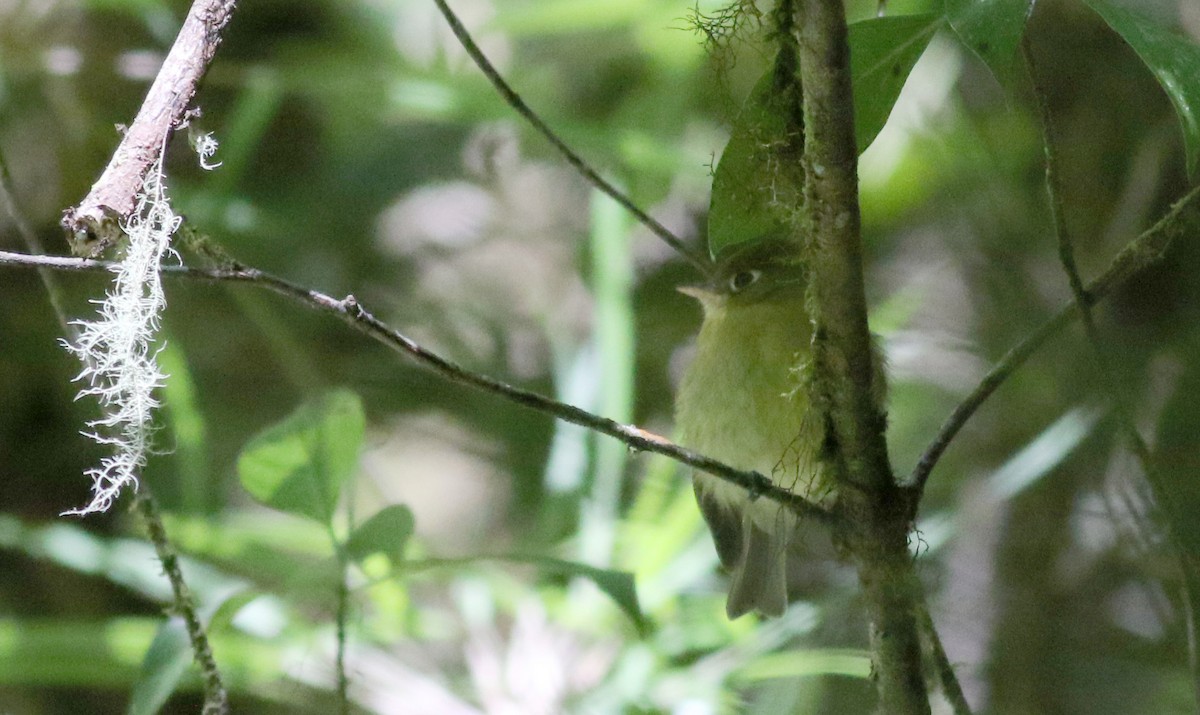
pixel 363 153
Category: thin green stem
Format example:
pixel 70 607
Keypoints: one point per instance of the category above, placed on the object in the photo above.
pixel 216 700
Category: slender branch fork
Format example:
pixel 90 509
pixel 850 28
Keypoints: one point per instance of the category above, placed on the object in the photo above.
pixel 1141 253
pixel 1121 399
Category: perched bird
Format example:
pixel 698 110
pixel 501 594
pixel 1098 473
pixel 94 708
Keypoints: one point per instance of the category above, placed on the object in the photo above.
pixel 742 401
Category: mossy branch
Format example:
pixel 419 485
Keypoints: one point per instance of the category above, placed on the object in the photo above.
pixel 876 512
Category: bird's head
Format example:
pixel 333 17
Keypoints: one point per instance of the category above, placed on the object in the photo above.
pixel 756 273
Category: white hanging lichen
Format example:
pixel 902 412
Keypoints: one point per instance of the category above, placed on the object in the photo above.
pixel 117 348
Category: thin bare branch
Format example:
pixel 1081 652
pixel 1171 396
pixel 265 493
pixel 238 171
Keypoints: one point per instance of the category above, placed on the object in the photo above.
pixel 514 100
pixel 34 245
pixel 351 312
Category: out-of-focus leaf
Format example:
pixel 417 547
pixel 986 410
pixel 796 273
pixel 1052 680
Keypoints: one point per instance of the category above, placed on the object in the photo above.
pixel 1044 453
pixel 170 653
pixel 617 585
pixel 299 465
pixel 166 661
pixel 1173 60
pixel 560 16
pixel 53 652
pixel 188 429
pixel 992 29
pixel 1177 491
pixel 386 532
pixel 801 663
pixel 883 51
pixel 73 653
pixel 612 285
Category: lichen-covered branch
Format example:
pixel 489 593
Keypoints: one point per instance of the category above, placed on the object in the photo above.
pixel 94 224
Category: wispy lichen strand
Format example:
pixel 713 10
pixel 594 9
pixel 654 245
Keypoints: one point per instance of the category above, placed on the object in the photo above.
pixel 117 348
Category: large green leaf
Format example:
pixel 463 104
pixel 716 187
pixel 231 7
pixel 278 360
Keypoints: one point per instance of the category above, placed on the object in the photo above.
pixel 992 29
pixel 1173 60
pixel 299 465
pixel 883 51
pixel 751 195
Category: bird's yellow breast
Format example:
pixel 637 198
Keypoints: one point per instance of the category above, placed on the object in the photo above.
pixel 739 403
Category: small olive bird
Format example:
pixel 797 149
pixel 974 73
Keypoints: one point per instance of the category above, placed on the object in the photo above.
pixel 742 401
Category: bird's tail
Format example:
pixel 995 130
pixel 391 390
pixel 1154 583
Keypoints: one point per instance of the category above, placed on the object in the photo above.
pixel 759 575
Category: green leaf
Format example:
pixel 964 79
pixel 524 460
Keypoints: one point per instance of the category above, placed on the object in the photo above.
pixel 1044 453
pixel 166 661
pixel 386 532
pixel 801 663
pixel 883 51
pixel 299 465
pixel 992 29
pixel 617 585
pixel 1173 60
pixel 750 195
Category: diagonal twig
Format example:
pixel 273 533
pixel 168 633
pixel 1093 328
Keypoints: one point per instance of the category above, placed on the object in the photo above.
pixel 216 699
pixel 514 100
pixel 351 312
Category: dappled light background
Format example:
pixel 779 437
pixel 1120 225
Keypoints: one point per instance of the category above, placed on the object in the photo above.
pixel 363 153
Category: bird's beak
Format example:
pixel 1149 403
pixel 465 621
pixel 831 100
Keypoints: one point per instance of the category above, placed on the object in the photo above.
pixel 710 300
pixel 703 294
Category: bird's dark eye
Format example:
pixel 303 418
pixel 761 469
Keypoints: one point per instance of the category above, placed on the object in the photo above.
pixel 743 279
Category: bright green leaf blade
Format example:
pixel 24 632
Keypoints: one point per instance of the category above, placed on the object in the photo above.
pixel 992 29
pixel 883 51
pixel 801 663
pixel 386 532
pixel 1173 60
pixel 188 429
pixel 166 661
pixel 44 652
pixel 299 465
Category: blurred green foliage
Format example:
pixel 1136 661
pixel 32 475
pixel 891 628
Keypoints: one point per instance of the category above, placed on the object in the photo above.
pixel 547 567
